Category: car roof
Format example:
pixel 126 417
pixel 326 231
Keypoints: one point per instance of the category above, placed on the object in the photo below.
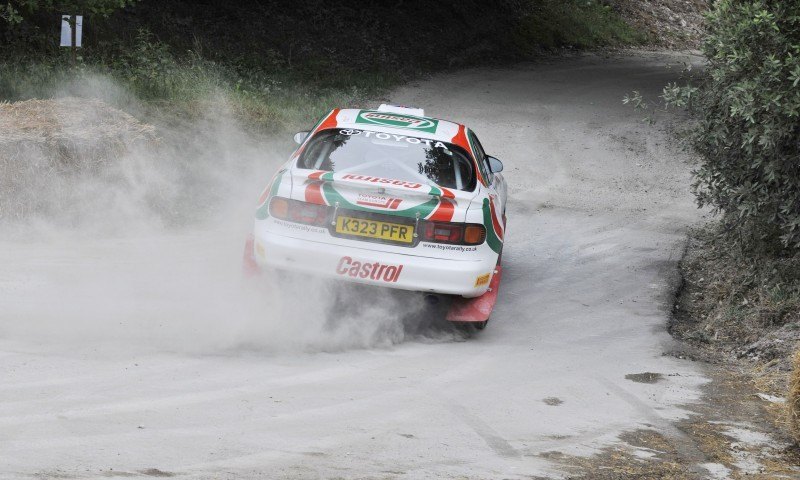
pixel 397 123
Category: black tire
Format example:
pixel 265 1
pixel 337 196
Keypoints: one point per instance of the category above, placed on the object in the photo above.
pixel 469 327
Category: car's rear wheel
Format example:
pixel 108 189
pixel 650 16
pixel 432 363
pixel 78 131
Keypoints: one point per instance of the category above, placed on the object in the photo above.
pixel 470 327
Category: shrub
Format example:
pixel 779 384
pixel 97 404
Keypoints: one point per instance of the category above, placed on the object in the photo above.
pixel 152 71
pixel 749 112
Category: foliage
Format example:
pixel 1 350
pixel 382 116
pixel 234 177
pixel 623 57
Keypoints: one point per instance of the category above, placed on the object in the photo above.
pixel 14 12
pixel 9 13
pixel 748 107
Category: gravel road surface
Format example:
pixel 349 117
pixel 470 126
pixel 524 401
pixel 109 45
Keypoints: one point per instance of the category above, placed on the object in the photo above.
pixel 138 356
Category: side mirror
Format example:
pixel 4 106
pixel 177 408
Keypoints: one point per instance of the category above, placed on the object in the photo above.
pixel 495 165
pixel 299 137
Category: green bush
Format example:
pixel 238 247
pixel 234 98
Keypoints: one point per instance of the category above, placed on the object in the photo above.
pixel 152 72
pixel 748 107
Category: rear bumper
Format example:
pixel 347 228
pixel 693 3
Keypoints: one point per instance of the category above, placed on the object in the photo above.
pixel 468 278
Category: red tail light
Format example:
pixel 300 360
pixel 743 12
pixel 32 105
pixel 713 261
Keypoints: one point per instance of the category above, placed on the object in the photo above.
pixel 443 232
pixel 309 213
pixel 297 211
pixel 454 233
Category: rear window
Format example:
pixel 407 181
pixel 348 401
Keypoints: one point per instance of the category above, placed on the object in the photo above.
pixel 399 157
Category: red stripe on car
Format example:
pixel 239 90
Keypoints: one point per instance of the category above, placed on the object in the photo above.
pixel 495 221
pixel 330 121
pixel 461 140
pixel 444 212
pixel 314 194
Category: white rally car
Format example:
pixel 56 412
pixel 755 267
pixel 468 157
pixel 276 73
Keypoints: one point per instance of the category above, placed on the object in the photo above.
pixel 392 198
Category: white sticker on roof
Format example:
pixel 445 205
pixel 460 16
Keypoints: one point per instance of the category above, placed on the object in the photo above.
pixel 403 110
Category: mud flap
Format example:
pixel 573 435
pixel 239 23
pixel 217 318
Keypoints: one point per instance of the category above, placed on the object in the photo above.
pixel 249 266
pixel 476 309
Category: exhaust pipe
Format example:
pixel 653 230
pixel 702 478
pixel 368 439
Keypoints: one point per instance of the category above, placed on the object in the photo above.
pixel 431 299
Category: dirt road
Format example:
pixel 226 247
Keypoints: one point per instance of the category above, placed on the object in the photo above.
pixel 107 371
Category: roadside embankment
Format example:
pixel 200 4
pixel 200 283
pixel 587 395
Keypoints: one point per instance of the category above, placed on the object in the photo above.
pixel 742 310
pixel 675 24
pixel 46 143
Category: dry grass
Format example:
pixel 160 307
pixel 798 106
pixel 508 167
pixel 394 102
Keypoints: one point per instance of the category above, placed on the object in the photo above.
pixel 739 305
pixel 793 399
pixel 41 140
pixel 67 118
pixel 77 131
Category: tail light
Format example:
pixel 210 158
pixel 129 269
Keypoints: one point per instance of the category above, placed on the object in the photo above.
pixel 279 208
pixel 454 233
pixel 474 234
pixel 443 232
pixel 297 211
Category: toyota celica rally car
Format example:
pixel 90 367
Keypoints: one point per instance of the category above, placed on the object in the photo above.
pixel 390 198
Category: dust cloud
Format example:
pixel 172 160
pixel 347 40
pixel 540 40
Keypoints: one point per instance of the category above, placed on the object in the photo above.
pixel 116 235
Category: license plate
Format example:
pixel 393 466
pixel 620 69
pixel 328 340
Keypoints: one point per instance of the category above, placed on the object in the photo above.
pixel 373 229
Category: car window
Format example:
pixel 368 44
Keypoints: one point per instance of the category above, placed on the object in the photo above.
pixel 480 156
pixel 398 157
